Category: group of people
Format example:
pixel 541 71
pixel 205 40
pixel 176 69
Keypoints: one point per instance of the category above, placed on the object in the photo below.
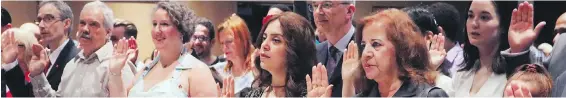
pixel 420 51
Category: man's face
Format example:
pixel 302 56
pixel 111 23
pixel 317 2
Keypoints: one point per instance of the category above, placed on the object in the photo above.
pixel 51 26
pixel 201 41
pixel 331 14
pixel 91 32
pixel 117 34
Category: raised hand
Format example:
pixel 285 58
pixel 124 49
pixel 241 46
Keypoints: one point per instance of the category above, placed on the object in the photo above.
pixel 515 90
pixel 228 87
pixel 351 64
pixel 317 86
pixel 521 32
pixel 436 51
pixel 39 60
pixel 9 47
pixel 120 56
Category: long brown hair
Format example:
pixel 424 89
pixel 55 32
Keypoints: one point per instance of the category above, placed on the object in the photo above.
pixel 411 52
pixel 242 38
pixel 300 53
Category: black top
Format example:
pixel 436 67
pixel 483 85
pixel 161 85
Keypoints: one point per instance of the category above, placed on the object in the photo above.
pixel 407 89
pixel 258 91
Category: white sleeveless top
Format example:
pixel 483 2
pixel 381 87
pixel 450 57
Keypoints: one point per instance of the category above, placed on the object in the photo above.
pixel 168 88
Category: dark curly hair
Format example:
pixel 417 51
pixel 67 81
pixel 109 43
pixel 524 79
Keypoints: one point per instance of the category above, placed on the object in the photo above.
pixel 181 16
pixel 300 53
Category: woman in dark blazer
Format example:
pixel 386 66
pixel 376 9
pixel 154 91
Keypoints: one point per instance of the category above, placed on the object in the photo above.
pixel 393 56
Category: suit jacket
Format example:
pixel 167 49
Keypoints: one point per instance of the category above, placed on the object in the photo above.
pixel 556 66
pixel 336 77
pixel 69 52
pixel 16 82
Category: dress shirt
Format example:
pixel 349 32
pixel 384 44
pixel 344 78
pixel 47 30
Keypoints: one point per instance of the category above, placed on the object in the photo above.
pixel 84 76
pixel 55 54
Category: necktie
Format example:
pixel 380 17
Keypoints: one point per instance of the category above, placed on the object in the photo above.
pixel 332 60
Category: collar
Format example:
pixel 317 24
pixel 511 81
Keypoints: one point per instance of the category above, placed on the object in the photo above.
pixel 343 42
pixel 407 89
pixel 55 53
pixel 104 52
pixel 454 52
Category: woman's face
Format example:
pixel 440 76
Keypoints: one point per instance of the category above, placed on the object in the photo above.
pixel 165 34
pixel 482 24
pixel 378 56
pixel 231 50
pixel 273 48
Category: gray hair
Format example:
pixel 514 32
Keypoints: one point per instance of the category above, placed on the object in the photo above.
pixel 64 9
pixel 108 14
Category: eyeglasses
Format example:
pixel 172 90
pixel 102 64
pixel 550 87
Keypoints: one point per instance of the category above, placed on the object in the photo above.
pixel 47 19
pixel 266 18
pixel 325 5
pixel 200 38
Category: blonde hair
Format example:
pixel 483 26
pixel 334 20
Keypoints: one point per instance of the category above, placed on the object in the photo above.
pixel 26 38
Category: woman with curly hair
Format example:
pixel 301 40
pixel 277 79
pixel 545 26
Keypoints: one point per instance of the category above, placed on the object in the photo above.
pixel 170 74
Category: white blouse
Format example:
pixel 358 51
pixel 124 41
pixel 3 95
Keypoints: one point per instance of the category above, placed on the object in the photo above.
pixel 493 86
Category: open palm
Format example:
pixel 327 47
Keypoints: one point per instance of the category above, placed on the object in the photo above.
pixel 39 60
pixel 521 32
pixel 436 51
pixel 318 86
pixel 351 64
pixel 9 47
pixel 120 56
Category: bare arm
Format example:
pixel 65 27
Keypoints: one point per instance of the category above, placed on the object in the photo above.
pixel 201 81
pixel 119 72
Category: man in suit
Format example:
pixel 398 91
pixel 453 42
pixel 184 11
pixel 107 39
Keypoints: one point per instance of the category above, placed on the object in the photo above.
pixel 556 63
pixel 55 20
pixel 334 18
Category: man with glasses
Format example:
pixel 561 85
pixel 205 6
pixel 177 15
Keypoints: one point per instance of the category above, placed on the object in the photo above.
pixel 202 41
pixel 88 73
pixel 54 19
pixel 334 19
